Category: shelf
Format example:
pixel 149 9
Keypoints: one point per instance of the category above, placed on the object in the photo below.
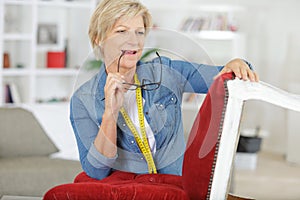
pixel 52 105
pixel 183 6
pixel 18 2
pixel 70 4
pixel 205 34
pixel 217 8
pixel 214 35
pixel 190 106
pixel 194 103
pixel 15 72
pixel 56 72
pixel 17 36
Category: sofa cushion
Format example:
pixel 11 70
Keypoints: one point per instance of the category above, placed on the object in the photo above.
pixel 33 176
pixel 22 135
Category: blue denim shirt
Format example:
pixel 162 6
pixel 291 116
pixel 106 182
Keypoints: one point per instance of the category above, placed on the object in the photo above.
pixel 162 110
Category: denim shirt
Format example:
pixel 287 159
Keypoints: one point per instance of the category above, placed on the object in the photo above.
pixel 162 110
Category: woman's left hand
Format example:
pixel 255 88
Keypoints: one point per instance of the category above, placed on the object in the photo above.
pixel 240 70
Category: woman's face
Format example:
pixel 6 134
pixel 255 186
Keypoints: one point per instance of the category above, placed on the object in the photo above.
pixel 128 37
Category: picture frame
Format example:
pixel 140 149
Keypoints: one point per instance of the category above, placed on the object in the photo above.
pixel 49 36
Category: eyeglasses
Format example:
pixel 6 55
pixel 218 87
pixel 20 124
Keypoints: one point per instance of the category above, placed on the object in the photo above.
pixel 144 86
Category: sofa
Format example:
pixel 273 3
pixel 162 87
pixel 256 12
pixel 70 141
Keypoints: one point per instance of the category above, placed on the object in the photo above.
pixel 26 165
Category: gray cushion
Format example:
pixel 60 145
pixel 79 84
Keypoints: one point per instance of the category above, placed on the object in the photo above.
pixel 34 176
pixel 22 135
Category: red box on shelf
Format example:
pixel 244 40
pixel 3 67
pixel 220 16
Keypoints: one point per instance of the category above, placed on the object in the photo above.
pixel 56 59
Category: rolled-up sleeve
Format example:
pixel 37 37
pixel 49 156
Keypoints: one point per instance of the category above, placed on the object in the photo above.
pixel 98 160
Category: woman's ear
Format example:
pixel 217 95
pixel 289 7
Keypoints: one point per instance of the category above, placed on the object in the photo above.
pixel 98 52
pixel 97 42
pixel 97 49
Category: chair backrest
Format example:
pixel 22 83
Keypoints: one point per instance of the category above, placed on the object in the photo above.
pixel 214 136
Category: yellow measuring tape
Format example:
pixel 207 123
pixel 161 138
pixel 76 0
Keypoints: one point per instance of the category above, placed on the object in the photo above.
pixel 142 142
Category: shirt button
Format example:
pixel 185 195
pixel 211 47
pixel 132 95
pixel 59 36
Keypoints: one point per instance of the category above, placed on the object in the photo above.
pixel 142 158
pixel 151 179
pixel 124 125
pixel 172 99
pixel 132 141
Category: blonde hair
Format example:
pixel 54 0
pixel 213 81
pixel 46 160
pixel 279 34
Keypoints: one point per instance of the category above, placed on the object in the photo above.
pixel 109 11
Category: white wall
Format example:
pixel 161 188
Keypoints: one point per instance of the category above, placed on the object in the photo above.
pixel 273 44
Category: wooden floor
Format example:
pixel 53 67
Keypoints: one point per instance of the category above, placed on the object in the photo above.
pixel 273 179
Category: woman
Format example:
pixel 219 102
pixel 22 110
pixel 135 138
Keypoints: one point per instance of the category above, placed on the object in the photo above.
pixel 128 117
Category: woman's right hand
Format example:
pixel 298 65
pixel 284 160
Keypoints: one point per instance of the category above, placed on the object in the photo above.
pixel 105 142
pixel 114 94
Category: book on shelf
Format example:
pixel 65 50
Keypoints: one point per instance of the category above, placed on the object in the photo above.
pixel 11 93
pixel 219 22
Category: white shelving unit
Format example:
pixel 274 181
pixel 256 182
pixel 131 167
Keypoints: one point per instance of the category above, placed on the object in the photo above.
pixel 210 46
pixel 19 22
pixel 221 45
